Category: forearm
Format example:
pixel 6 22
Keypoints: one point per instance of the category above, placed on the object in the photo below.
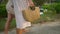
pixel 30 1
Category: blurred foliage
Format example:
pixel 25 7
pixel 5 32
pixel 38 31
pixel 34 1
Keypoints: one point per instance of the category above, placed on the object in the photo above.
pixel 57 8
pixel 3 1
pixel 3 21
pixel 39 2
pixel 48 15
pixel 53 7
pixel 58 1
pixel 3 12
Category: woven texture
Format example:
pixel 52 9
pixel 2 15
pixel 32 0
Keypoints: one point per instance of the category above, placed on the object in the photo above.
pixel 31 15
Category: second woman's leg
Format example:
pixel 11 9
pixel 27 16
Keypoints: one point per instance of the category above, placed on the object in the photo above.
pixel 7 25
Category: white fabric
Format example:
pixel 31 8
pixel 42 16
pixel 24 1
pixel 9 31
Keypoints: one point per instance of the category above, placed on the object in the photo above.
pixel 19 5
pixel 9 8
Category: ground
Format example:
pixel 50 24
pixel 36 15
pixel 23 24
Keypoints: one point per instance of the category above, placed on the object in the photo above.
pixel 47 28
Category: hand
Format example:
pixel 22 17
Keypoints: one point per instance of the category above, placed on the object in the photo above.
pixel 31 3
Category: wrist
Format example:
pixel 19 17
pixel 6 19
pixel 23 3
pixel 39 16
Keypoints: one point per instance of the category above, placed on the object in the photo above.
pixel 30 1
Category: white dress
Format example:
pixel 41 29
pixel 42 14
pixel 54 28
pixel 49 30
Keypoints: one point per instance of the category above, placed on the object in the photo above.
pixel 19 5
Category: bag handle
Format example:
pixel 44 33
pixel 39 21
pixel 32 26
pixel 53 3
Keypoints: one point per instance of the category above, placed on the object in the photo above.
pixel 32 7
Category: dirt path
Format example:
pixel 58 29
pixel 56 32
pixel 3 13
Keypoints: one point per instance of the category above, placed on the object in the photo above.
pixel 50 28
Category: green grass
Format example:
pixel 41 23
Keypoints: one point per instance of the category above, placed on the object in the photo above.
pixel 2 24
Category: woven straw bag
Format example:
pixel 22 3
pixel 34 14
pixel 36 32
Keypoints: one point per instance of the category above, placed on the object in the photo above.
pixel 31 15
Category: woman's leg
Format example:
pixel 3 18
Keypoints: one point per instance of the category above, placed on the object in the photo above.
pixel 10 16
pixel 19 31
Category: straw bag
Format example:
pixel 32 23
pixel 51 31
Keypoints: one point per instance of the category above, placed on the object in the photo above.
pixel 30 14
